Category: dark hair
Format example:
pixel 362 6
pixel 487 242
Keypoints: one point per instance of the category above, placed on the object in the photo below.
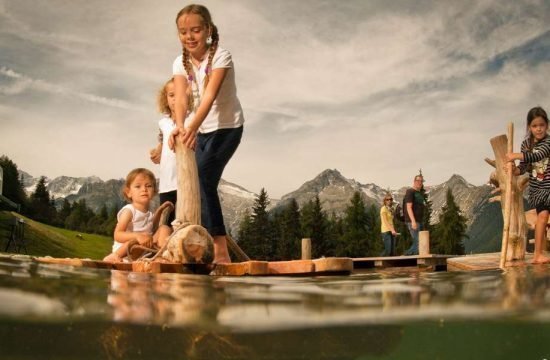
pixel 534 113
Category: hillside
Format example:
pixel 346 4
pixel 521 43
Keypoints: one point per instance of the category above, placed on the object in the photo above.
pixel 45 240
pixel 484 220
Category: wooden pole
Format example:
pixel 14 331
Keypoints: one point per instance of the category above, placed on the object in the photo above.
pixel 507 198
pixel 188 206
pixel 236 249
pixel 306 249
pixel 424 243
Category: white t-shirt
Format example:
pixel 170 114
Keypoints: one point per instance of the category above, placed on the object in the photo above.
pixel 168 169
pixel 141 222
pixel 226 111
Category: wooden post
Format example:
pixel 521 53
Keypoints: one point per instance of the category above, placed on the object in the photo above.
pixel 424 243
pixel 188 207
pixel 236 249
pixel 190 242
pixel 306 249
pixel 507 198
pixel 512 187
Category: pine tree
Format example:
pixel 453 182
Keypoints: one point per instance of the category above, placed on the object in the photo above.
pixel 449 233
pixel 354 242
pixel 373 231
pixel 40 206
pixel 12 186
pixel 314 225
pixel 256 232
pixel 244 236
pixel 426 225
pixel 288 246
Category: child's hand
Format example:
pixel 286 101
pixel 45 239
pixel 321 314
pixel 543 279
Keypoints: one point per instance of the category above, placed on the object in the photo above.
pixel 172 139
pixel 155 155
pixel 513 156
pixel 145 239
pixel 190 138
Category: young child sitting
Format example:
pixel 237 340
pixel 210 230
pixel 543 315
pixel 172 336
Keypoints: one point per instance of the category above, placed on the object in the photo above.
pixel 135 221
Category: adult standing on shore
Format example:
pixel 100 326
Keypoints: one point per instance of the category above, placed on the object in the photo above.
pixel 414 212
pixel 386 226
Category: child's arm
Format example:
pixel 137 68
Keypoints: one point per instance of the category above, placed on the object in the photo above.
pixel 207 99
pixel 180 107
pixel 156 153
pixel 123 236
pixel 543 151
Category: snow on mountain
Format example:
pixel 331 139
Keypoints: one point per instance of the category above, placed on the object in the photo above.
pixel 334 190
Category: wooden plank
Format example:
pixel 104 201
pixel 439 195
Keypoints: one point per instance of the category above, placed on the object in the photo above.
pixel 292 267
pixel 252 267
pixel 477 262
pixel 157 267
pixel 76 262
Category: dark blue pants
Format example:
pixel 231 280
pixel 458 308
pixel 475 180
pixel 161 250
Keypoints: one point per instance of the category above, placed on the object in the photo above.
pixel 413 250
pixel 171 196
pixel 213 152
pixel 389 244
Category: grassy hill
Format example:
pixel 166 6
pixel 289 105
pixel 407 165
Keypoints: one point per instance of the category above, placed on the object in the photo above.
pixel 46 240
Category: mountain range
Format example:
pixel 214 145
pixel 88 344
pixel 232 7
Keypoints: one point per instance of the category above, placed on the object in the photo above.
pixel 334 191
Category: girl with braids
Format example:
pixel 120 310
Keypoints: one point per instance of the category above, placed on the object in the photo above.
pixel 208 114
pixel 534 158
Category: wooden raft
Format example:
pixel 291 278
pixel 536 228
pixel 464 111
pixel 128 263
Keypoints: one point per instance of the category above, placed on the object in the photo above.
pixel 434 261
pixel 489 261
pixel 316 267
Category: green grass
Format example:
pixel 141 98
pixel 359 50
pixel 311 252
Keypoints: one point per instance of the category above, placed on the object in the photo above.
pixel 46 240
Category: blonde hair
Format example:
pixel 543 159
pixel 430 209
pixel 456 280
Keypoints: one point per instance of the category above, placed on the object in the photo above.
pixel 132 175
pixel 162 101
pixel 203 12
pixel 387 197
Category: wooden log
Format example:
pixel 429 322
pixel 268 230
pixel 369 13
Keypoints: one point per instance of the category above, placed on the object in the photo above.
pixel 424 243
pixel 252 267
pixel 517 230
pixel 236 249
pixel 333 265
pixel 188 206
pixel 306 249
pixel 292 267
pixel 508 198
pixel 157 267
pixel 491 162
pixel 190 244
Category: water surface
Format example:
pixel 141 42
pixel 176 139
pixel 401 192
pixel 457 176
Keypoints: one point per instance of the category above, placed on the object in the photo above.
pixel 61 312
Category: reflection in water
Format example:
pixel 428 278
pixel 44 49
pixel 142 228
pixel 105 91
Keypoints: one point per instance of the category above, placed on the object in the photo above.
pixel 116 315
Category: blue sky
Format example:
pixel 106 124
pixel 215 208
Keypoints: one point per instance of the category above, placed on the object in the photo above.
pixel 375 89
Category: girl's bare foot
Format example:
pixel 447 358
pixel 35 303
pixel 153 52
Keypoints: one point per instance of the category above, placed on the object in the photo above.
pixel 112 258
pixel 221 254
pixel 541 259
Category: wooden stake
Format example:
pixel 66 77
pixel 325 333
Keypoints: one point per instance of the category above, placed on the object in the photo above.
pixel 306 248
pixel 188 206
pixel 236 249
pixel 507 199
pixel 423 243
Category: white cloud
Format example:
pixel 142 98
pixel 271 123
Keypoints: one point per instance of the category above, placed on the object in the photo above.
pixel 374 89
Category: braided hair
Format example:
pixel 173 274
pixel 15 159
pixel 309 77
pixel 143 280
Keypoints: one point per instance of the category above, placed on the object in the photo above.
pixel 203 12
